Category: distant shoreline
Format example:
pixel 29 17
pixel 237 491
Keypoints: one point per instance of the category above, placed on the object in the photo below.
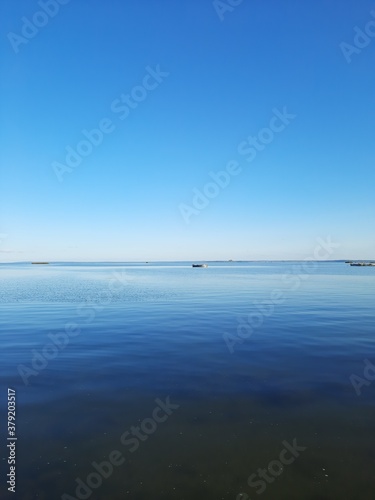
pixel 186 261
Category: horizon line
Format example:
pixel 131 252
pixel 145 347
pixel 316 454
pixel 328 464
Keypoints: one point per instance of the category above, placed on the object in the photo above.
pixel 179 261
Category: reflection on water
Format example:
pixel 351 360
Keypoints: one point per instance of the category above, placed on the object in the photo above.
pixel 97 345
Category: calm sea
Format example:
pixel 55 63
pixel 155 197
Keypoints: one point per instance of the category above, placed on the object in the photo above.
pixel 164 382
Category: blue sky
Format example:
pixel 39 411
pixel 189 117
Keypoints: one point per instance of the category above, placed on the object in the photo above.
pixel 224 72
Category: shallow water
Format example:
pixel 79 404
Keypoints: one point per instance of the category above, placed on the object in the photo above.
pixel 104 341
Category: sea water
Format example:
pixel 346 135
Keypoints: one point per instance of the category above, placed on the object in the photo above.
pixel 163 381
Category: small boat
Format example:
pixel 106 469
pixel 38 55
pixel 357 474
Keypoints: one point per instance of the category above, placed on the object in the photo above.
pixel 200 265
pixel 40 263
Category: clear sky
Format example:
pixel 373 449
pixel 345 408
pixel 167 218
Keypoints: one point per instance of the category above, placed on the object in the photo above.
pixel 180 89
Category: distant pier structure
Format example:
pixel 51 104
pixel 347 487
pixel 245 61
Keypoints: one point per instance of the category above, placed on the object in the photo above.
pixel 361 264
